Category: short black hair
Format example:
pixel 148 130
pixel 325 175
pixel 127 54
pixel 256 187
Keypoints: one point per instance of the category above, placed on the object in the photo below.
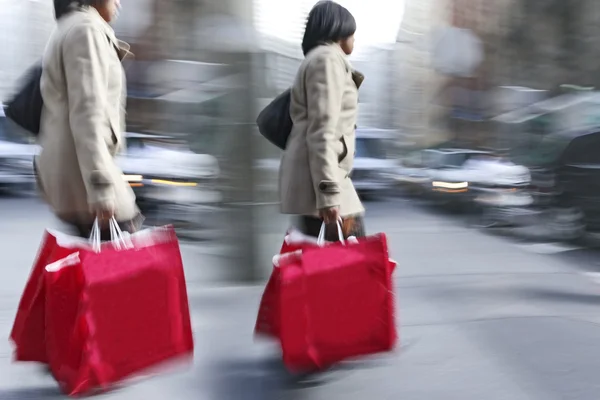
pixel 328 22
pixel 63 7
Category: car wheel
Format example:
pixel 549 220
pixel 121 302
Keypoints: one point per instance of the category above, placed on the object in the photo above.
pixel 456 207
pixel 567 223
pixel 483 218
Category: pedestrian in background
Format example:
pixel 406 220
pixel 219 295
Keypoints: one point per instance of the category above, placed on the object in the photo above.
pixel 314 179
pixel 83 119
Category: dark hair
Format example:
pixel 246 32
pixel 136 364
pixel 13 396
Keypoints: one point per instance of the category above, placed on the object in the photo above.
pixel 328 22
pixel 63 7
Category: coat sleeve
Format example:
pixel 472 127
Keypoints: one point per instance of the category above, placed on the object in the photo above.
pixel 86 71
pixel 325 82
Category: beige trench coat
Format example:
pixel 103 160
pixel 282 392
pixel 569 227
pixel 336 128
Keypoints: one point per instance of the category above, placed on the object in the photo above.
pixel 83 119
pixel 318 159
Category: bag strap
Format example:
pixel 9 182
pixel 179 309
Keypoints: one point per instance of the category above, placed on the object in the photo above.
pixel 321 237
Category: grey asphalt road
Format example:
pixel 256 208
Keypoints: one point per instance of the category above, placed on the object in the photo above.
pixel 480 317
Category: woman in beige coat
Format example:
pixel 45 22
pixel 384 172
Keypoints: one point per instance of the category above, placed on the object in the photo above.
pixel 83 118
pixel 314 181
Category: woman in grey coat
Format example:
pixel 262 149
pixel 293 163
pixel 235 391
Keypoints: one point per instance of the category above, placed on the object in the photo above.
pixel 314 180
pixel 83 119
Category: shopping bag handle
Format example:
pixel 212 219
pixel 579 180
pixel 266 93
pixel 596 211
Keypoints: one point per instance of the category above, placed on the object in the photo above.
pixel 95 236
pixel 118 238
pixel 321 237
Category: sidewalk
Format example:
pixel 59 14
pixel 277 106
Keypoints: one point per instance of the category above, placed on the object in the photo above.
pixel 224 345
pixel 479 319
pixel 228 363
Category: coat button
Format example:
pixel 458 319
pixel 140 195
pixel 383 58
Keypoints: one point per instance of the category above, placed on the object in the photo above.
pixel 322 186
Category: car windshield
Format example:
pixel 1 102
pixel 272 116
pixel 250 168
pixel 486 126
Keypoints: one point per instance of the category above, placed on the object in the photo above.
pixel 454 159
pixel 11 133
pixel 548 150
pixel 370 148
pixel 413 160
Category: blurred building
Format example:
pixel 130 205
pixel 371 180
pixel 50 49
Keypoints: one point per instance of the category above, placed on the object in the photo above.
pixel 448 55
pixel 531 48
pixel 415 81
pixel 548 43
pixel 536 43
pixel 25 26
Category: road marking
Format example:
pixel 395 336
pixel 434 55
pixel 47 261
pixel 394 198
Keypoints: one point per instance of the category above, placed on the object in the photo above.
pixel 548 248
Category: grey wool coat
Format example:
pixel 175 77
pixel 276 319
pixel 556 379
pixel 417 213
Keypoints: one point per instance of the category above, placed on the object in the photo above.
pixel 319 156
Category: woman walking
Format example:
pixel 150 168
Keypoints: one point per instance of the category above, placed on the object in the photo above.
pixel 83 118
pixel 314 179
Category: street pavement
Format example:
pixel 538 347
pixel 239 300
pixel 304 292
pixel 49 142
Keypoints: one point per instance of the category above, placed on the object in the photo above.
pixel 480 317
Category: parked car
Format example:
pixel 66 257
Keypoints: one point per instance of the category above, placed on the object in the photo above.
pixel 448 181
pixel 502 191
pixel 374 171
pixel 17 150
pixel 412 175
pixel 172 184
pixel 467 177
pixel 566 181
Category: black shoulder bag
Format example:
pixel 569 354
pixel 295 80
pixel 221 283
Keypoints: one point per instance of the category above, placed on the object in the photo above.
pixel 25 108
pixel 275 122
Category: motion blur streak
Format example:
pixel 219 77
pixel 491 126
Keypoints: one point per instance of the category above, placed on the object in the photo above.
pixel 477 153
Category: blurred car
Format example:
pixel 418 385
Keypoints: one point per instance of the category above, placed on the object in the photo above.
pixel 17 151
pixel 463 177
pixel 412 175
pixel 448 179
pixel 172 184
pixel 502 191
pixel 565 170
pixel 374 172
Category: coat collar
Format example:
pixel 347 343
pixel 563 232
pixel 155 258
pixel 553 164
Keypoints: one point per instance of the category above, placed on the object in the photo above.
pixel 122 48
pixel 357 76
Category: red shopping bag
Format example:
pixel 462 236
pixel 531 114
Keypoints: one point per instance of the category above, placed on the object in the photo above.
pixel 336 302
pixel 268 318
pixel 114 314
pixel 28 331
pixel 295 240
pixel 267 321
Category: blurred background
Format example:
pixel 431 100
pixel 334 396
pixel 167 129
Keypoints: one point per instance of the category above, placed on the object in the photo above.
pixel 478 153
